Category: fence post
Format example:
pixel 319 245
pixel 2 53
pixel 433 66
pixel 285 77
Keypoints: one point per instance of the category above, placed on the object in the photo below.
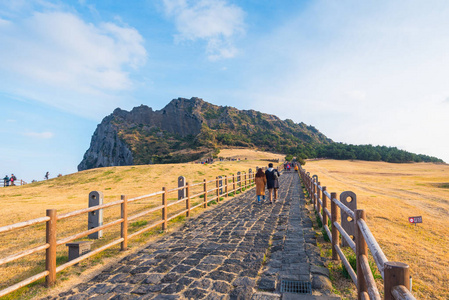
pixel 361 249
pixel 309 184
pixel 245 181
pixel 325 217
pixel 233 184
pixel 217 191
pixel 318 192
pixel 395 273
pixel 226 185
pixel 323 196
pixel 164 209
pixel 335 233
pixel 239 180
pixel 181 183
pixel 345 220
pixel 188 200
pixel 124 225
pixel 205 193
pixel 95 218
pixel 50 253
pixel 314 189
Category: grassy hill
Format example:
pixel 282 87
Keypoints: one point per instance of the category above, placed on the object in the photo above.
pixel 390 193
pixel 70 193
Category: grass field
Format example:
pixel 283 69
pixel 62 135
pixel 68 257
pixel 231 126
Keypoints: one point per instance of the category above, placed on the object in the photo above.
pixel 70 193
pixel 390 193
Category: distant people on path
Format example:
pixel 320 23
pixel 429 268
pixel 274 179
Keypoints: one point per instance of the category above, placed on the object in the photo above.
pixel 272 174
pixel 261 181
pixel 276 184
pixel 47 175
pixel 6 180
pixel 13 179
pixel 296 168
pixel 288 167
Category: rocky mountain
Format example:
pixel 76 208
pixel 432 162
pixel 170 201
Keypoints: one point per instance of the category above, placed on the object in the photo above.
pixel 187 129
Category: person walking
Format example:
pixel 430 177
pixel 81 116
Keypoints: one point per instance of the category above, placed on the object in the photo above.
pixel 276 185
pixel 6 180
pixel 47 175
pixel 261 181
pixel 13 179
pixel 271 175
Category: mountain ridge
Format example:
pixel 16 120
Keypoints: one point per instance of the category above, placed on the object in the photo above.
pixel 144 136
pixel 189 129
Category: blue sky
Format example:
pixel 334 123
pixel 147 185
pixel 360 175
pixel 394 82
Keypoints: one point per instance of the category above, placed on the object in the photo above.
pixel 362 72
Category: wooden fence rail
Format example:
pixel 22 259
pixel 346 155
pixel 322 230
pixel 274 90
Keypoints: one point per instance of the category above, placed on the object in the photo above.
pixel 357 235
pixel 16 182
pixel 234 183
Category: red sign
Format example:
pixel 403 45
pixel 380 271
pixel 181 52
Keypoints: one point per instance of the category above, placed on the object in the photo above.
pixel 415 220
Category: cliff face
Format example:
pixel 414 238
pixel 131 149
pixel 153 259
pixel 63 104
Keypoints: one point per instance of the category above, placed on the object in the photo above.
pixel 186 129
pixel 106 148
pixel 111 143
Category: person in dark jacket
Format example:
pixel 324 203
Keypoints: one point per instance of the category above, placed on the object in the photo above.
pixel 13 179
pixel 272 175
pixel 6 180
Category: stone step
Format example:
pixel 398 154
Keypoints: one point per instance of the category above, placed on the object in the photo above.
pixel 293 296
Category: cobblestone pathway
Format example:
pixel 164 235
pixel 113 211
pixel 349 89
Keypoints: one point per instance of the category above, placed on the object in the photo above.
pixel 238 250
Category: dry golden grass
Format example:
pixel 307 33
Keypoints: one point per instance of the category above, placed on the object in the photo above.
pixel 390 193
pixel 70 193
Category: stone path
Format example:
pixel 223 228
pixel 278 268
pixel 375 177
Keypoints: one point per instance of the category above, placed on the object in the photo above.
pixel 238 250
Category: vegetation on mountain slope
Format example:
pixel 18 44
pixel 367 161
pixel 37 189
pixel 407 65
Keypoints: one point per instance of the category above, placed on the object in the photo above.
pixel 190 129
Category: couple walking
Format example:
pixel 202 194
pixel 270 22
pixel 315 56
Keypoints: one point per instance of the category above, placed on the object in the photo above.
pixel 270 179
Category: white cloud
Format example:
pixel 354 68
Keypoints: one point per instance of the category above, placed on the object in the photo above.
pixel 362 73
pixel 59 59
pixel 214 21
pixel 40 135
pixel 4 23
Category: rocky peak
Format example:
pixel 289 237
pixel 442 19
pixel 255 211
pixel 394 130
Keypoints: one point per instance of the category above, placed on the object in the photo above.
pixel 143 136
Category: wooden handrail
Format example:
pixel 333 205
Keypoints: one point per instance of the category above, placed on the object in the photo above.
pixel 373 292
pixel 52 218
pixel 395 286
pixel 344 208
pixel 23 224
pixel 347 264
pixel 146 212
pixel 145 229
pixel 144 196
pixel 23 283
pixel 400 292
pixel 376 251
pixel 345 235
pixel 87 232
pixel 23 254
pixel 89 254
pixel 86 210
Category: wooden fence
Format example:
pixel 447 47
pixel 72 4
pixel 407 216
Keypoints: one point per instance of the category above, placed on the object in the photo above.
pixel 17 182
pixel 204 192
pixel 395 274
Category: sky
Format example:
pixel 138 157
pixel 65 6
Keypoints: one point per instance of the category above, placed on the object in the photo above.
pixel 361 72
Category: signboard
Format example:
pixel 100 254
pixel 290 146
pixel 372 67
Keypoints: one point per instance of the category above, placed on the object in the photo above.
pixel 414 220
